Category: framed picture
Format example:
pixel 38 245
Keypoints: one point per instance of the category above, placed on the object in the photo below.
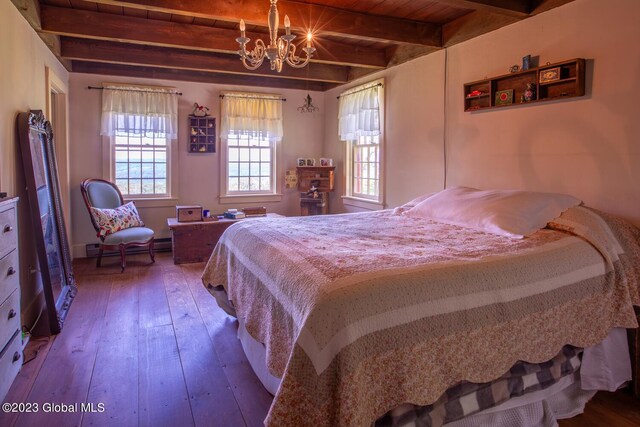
pixel 311 162
pixel 326 162
pixel 550 75
pixel 504 97
pixel 526 62
pixel 302 162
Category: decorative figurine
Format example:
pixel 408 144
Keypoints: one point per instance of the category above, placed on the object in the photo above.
pixel 200 110
pixel 514 68
pixel 530 92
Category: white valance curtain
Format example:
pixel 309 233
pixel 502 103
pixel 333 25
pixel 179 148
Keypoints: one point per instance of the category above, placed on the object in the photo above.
pixel 256 115
pixel 139 110
pixel 359 112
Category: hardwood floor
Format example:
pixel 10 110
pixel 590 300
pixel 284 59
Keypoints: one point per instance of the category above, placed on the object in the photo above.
pixel 152 346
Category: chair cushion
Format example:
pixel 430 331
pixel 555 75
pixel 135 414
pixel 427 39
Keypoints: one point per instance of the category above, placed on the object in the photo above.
pixel 129 235
pixel 103 195
pixel 112 220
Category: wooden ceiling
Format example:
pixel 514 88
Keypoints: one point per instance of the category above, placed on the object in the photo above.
pixel 194 40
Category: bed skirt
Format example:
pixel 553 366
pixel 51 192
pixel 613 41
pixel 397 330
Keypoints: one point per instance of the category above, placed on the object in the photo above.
pixel 605 366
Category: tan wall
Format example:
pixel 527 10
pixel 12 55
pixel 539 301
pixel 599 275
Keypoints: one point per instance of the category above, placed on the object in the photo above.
pixel 588 147
pixel 413 130
pixel 22 87
pixel 198 176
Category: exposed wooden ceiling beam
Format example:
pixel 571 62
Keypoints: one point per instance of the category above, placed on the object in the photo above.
pixel 104 26
pixel 320 19
pixel 517 8
pixel 539 6
pixel 124 53
pixel 472 25
pixel 30 10
pixel 195 76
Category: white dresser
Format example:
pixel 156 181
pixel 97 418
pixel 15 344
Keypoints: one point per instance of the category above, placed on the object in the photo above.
pixel 10 330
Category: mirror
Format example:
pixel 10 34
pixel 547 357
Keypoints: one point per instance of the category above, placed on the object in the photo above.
pixel 43 190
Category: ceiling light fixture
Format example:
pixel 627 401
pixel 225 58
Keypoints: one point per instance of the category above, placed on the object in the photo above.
pixel 279 51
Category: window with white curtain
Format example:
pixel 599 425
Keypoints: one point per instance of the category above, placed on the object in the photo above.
pixel 360 118
pixel 251 129
pixel 141 126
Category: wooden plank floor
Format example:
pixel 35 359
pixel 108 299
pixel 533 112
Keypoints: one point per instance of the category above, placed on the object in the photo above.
pixel 153 347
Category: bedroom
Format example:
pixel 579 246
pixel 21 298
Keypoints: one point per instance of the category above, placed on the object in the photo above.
pixel 584 147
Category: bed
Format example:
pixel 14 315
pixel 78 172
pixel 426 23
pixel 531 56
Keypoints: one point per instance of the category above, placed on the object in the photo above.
pixel 360 314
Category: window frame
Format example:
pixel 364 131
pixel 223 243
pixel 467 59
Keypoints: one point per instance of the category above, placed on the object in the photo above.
pixel 151 200
pixel 275 195
pixel 355 200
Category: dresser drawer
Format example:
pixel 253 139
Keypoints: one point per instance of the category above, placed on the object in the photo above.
pixel 8 230
pixel 9 317
pixel 10 363
pixel 9 275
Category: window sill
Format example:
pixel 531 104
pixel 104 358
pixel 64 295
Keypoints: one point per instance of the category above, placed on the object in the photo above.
pixel 250 198
pixel 155 202
pixel 362 203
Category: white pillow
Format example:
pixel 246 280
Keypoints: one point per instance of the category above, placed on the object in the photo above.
pixel 510 213
pixel 412 203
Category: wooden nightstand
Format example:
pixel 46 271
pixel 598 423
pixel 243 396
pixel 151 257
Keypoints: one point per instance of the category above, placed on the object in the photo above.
pixel 194 241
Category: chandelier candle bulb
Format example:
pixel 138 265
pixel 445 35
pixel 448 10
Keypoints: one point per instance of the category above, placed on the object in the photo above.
pixel 242 28
pixel 287 24
pixel 309 36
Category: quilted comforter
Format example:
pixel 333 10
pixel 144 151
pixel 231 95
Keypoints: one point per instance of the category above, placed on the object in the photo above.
pixel 360 313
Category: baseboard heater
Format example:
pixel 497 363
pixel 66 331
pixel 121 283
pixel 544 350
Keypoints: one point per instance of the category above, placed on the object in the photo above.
pixel 160 245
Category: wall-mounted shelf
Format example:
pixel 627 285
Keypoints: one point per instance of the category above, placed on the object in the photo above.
pixel 202 134
pixel 551 82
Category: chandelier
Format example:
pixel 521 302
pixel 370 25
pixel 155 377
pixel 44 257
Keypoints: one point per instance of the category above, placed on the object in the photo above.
pixel 279 51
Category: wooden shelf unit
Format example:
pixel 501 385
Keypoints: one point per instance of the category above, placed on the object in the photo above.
pixel 202 134
pixel 320 176
pixel 569 85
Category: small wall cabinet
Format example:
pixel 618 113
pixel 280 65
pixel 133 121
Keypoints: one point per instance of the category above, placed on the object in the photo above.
pixel 319 176
pixel 549 82
pixel 202 134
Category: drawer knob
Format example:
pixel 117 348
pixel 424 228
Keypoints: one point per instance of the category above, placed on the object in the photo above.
pixel 11 271
pixel 12 313
pixel 16 357
pixel 7 228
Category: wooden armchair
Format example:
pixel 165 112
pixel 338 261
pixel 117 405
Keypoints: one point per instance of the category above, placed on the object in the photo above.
pixel 102 194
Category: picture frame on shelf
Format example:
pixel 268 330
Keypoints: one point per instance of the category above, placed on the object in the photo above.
pixel 311 162
pixel 504 97
pixel 301 162
pixel 326 162
pixel 550 75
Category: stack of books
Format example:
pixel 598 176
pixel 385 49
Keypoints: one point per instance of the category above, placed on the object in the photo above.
pixel 255 211
pixel 234 214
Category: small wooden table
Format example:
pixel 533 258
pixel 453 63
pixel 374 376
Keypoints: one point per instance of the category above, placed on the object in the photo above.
pixel 194 241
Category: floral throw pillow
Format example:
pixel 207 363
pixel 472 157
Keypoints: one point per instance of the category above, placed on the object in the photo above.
pixel 111 220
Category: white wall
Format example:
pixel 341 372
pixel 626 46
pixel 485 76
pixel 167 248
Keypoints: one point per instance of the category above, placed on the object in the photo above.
pixel 413 130
pixel 198 173
pixel 587 146
pixel 22 87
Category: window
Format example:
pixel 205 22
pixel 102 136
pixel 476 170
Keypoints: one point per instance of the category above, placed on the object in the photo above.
pixel 365 163
pixel 140 167
pixel 139 124
pixel 360 127
pixel 251 129
pixel 250 168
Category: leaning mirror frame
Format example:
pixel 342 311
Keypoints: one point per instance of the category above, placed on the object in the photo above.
pixel 45 208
